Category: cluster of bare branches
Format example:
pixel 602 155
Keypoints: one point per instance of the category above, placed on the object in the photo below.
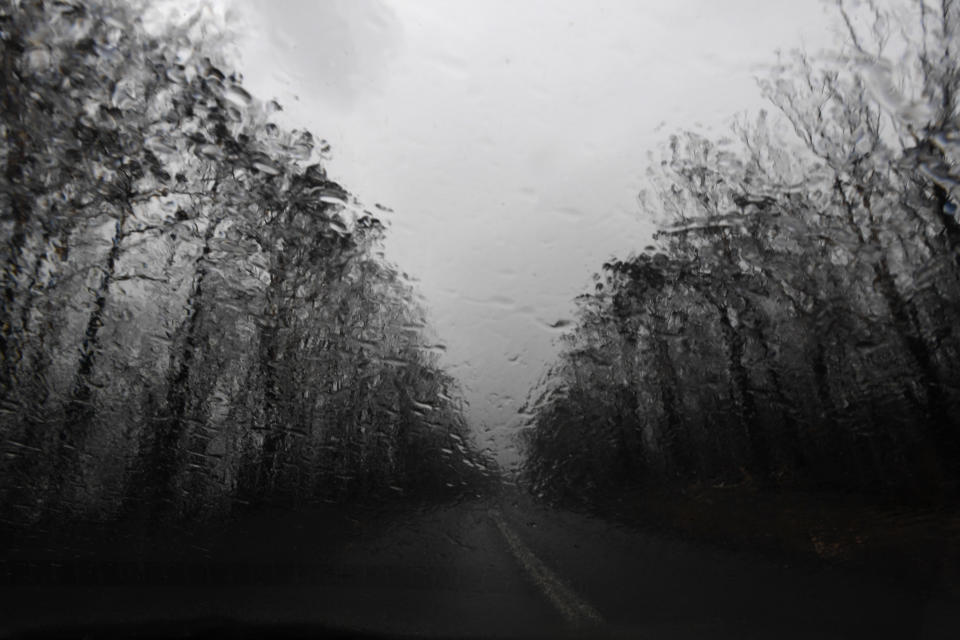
pixel 796 323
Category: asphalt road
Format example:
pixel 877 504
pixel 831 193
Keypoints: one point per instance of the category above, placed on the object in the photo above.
pixel 475 569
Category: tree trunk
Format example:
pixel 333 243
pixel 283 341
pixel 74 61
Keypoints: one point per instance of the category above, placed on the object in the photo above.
pixel 80 412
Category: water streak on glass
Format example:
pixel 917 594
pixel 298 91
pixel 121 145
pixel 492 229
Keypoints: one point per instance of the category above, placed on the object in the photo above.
pixel 501 319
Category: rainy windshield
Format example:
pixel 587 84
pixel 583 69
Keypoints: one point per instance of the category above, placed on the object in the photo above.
pixel 480 319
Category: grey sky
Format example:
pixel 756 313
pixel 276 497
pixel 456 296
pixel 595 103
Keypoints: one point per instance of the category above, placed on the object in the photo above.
pixel 511 140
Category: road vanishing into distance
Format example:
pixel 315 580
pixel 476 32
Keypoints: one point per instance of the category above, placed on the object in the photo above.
pixel 480 568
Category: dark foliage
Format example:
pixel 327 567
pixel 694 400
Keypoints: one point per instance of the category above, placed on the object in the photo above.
pixel 795 326
pixel 193 314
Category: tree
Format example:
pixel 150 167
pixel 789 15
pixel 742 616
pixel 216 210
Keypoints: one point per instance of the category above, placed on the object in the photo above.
pixel 195 315
pixel 812 258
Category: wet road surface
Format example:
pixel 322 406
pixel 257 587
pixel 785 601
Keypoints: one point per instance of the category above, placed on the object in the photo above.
pixel 475 569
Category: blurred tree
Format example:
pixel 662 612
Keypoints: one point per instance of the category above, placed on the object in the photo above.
pixel 194 314
pixel 795 324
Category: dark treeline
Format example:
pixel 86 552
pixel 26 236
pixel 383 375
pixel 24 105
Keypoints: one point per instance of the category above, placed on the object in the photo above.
pixel 796 324
pixel 193 314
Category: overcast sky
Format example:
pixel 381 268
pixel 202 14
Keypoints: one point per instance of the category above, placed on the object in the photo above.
pixel 511 140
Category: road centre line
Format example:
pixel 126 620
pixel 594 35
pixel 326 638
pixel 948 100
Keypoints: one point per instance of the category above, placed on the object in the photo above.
pixel 573 608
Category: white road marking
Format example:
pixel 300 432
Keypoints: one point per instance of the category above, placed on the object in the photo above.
pixel 576 610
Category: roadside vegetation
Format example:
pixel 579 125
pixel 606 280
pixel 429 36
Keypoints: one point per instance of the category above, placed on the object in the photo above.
pixel 194 316
pixel 793 328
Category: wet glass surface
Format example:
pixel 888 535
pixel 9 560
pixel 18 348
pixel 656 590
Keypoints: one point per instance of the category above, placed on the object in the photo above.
pixel 501 319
